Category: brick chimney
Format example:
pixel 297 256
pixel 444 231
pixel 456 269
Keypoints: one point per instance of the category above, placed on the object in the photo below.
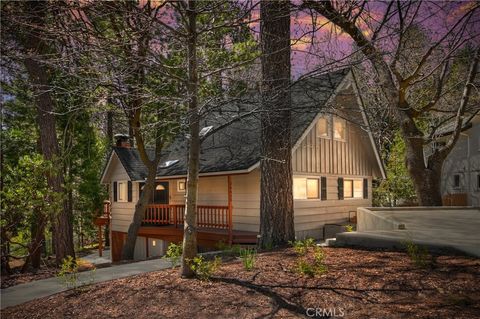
pixel 122 140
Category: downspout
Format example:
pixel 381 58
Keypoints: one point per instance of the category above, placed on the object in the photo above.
pixel 469 192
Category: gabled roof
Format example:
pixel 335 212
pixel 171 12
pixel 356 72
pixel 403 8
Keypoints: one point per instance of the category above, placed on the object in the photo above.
pixel 236 147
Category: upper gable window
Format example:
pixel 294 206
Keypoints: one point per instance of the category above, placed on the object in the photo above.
pixel 122 191
pixel 339 129
pixel 323 128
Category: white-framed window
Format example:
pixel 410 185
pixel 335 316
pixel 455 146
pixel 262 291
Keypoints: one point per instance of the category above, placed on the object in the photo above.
pixel 181 186
pixel 353 188
pixel 323 127
pixel 339 129
pixel 122 190
pixel 305 188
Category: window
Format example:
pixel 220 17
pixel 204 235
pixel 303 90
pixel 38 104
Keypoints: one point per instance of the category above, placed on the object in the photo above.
pixel 353 188
pixel 478 182
pixel 305 188
pixel 181 186
pixel 358 188
pixel 348 188
pixel 312 188
pixel 339 129
pixel 456 181
pixel 323 128
pixel 122 191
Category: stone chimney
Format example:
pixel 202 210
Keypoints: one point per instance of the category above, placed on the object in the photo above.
pixel 122 140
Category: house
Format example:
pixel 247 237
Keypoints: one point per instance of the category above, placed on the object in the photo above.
pixel 334 162
pixel 461 169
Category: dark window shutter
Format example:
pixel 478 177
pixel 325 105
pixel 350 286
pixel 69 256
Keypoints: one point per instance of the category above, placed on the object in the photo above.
pixel 114 191
pixel 129 191
pixel 340 188
pixel 323 188
pixel 365 188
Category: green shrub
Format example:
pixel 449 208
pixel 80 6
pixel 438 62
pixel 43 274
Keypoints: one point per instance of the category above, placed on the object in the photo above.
pixel 418 254
pixel 301 246
pixel 248 257
pixel 312 268
pixel 204 269
pixel 68 273
pixel 174 252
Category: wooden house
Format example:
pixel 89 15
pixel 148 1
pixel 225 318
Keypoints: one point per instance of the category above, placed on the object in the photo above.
pixel 334 162
pixel 460 184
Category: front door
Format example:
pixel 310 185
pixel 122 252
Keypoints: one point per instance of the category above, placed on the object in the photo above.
pixel 160 194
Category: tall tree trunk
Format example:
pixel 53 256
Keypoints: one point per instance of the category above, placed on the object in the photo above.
pixel 276 201
pixel 190 223
pixel 110 142
pixel 128 249
pixel 38 236
pixel 38 75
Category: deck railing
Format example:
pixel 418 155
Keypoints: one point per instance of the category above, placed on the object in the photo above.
pixel 219 217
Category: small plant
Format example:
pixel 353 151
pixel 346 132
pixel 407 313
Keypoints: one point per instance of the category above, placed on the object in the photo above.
pixel 301 246
pixel 312 268
pixel 174 252
pixel 348 228
pixel 248 257
pixel 69 272
pixel 418 254
pixel 204 269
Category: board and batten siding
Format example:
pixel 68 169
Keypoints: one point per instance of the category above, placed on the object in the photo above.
pixel 352 158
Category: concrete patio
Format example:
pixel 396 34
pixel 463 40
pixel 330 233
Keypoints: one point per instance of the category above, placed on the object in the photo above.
pixel 437 228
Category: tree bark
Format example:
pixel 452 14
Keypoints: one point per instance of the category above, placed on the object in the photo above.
pixel 128 249
pixel 276 201
pixel 37 243
pixel 190 220
pixel 38 74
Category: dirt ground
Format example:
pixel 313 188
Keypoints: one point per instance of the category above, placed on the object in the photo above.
pixel 46 270
pixel 358 284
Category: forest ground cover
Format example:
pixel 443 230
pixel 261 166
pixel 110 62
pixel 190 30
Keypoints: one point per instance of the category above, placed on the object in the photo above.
pixel 356 284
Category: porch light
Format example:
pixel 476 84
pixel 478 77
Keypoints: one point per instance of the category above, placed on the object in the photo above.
pixel 160 187
pixel 154 243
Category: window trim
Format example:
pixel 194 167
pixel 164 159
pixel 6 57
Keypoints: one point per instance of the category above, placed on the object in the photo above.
pixel 318 188
pixel 339 119
pixel 180 181
pixel 329 128
pixel 345 180
pixel 122 197
pixel 360 181
pixel 305 179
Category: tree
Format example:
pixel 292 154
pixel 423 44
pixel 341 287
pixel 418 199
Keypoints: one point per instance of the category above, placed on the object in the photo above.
pixel 404 74
pixel 29 37
pixel 276 199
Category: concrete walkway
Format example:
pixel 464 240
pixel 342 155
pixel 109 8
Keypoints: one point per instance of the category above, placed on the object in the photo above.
pixel 95 259
pixel 436 228
pixel 41 288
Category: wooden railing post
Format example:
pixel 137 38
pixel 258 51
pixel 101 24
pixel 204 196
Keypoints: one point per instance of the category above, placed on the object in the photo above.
pixel 175 215
pixel 230 209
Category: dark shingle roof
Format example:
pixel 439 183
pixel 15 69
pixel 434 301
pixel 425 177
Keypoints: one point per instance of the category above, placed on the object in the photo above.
pixel 237 145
